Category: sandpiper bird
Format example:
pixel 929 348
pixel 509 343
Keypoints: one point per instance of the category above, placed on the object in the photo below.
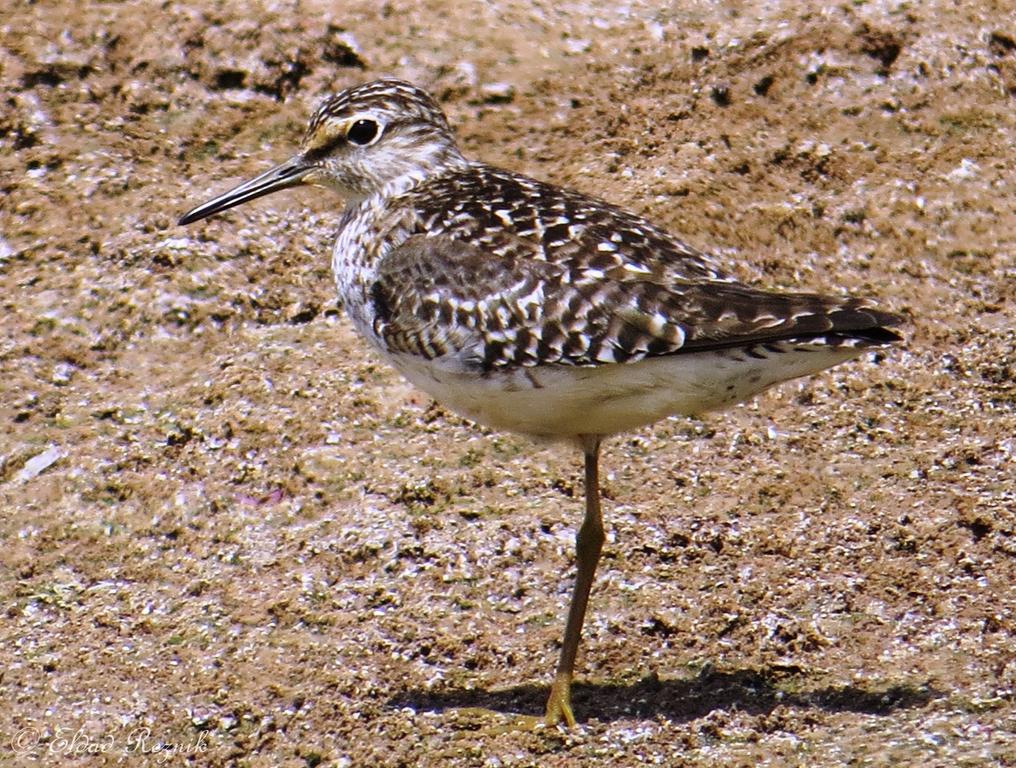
pixel 527 307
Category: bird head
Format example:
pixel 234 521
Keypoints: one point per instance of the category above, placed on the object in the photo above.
pixel 377 138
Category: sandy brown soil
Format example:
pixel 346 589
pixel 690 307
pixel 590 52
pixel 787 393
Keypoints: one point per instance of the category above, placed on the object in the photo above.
pixel 225 527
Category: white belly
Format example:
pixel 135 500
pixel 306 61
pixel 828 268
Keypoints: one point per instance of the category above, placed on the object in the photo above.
pixel 565 401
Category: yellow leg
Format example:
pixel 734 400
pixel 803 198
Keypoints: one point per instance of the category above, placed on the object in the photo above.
pixel 588 544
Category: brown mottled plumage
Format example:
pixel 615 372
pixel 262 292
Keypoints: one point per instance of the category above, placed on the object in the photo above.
pixel 536 309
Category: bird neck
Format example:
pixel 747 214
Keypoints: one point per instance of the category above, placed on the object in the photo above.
pixel 404 172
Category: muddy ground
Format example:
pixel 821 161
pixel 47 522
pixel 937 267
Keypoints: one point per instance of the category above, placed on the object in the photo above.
pixel 227 530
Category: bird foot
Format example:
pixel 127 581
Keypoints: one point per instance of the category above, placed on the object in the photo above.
pixel 559 703
pixel 559 712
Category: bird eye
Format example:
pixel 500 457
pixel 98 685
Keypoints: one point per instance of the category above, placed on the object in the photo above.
pixel 362 132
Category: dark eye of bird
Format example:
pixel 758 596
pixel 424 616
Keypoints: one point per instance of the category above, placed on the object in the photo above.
pixel 362 132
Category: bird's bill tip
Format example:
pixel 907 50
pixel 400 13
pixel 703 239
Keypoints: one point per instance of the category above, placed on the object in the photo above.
pixel 288 174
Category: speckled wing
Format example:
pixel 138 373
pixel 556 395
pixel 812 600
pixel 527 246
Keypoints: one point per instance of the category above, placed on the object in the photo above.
pixel 504 211
pixel 441 297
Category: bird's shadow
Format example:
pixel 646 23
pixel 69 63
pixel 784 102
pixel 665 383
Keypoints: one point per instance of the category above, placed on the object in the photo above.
pixel 756 691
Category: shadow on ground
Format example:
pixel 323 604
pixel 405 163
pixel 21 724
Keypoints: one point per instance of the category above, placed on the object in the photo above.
pixel 752 691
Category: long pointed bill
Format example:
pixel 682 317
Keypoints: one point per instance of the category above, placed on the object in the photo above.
pixel 289 174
